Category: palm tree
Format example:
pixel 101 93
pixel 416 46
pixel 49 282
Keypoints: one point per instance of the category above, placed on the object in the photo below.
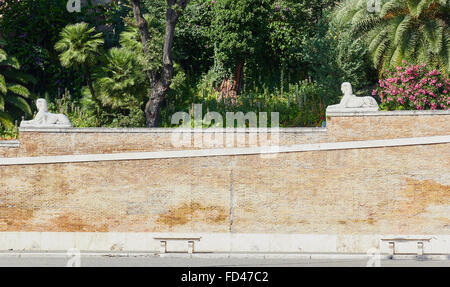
pixel 80 46
pixel 120 82
pixel 413 30
pixel 12 91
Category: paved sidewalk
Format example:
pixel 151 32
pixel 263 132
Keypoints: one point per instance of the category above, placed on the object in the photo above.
pixel 151 260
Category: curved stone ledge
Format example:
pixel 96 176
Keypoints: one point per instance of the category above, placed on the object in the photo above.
pixel 351 113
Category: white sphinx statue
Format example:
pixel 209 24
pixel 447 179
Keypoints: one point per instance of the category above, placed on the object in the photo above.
pixel 45 119
pixel 350 102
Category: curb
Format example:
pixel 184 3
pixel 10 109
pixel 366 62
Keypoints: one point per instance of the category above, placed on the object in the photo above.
pixel 316 256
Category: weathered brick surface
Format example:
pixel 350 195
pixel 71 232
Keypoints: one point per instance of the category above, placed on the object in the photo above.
pixel 390 190
pixel 338 129
pixel 8 152
pixel 48 143
pixel 398 190
pixel 386 127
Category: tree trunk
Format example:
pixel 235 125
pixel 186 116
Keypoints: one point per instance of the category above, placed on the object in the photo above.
pixel 141 23
pixel 154 104
pixel 229 89
pixel 159 80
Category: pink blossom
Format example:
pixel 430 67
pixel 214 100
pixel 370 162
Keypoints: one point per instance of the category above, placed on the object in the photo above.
pixel 409 85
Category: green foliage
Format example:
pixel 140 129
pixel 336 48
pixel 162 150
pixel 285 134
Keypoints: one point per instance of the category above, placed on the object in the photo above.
pixel 118 81
pixel 32 28
pixel 111 21
pixel 12 89
pixel 79 45
pixel 8 133
pixel 353 60
pixel 300 105
pixel 130 40
pixel 321 55
pixel 412 30
pixel 80 113
pixel 121 82
pixel 238 31
pixel 295 55
pixel 193 47
pixel 271 38
pixel 333 57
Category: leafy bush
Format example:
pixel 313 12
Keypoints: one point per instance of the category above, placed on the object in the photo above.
pixel 411 87
pixel 300 105
pixel 321 55
pixel 8 133
pixel 81 114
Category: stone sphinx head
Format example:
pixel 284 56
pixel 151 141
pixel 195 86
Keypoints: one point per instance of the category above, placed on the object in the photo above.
pixel 346 88
pixel 41 105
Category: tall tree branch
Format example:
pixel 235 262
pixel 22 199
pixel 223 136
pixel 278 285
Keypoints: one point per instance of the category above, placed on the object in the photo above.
pixel 159 80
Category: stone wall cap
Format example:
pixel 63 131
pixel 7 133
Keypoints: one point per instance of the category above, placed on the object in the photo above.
pixel 9 143
pixel 342 113
pixel 171 130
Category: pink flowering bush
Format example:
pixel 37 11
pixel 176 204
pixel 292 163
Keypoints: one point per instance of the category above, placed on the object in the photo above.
pixel 411 87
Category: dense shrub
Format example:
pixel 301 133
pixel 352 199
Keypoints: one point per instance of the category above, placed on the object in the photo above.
pixel 8 133
pixel 413 87
pixel 301 104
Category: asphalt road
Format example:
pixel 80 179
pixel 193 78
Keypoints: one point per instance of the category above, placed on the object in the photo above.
pixel 156 261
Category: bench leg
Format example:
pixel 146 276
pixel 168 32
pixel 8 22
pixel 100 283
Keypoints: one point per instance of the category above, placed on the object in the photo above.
pixel 420 248
pixel 190 247
pixel 163 247
pixel 391 248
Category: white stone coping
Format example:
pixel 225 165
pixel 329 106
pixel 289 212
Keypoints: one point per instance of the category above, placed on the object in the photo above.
pixel 171 130
pixel 266 150
pixel 350 113
pixel 10 143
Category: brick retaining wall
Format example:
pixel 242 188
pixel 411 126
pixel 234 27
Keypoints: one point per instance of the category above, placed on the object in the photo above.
pixel 384 190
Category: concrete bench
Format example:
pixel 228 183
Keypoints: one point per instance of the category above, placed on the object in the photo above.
pixel 163 242
pixel 392 242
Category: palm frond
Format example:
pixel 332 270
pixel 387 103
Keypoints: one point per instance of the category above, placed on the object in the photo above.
pixel 78 44
pixel 3 55
pixel 413 30
pixel 3 88
pixel 392 8
pixel 2 103
pixel 11 62
pixel 402 29
pixel 18 90
pixel 19 103
pixel 6 120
